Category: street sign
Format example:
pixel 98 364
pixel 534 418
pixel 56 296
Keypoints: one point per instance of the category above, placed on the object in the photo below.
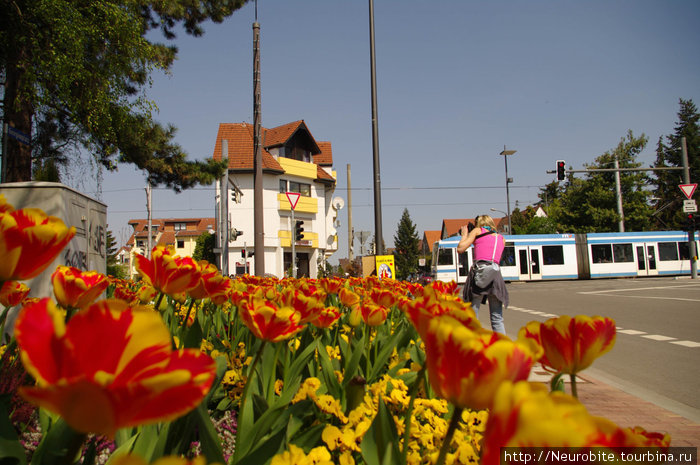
pixel 689 206
pixel 18 135
pixel 293 198
pixel 688 189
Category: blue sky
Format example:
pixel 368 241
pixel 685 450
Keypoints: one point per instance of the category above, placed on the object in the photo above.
pixel 456 82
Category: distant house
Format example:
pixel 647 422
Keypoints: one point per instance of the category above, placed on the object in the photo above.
pixel 179 233
pixel 293 162
pixel 451 227
pixel 429 238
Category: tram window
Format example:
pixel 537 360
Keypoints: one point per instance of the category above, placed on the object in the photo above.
pixel 683 251
pixel 508 256
pixel 623 253
pixel 601 253
pixel 668 251
pixel 552 255
pixel 445 257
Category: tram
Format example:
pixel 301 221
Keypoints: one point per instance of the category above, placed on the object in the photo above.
pixel 574 256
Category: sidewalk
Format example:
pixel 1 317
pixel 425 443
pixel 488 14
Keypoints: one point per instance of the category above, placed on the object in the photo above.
pixel 628 410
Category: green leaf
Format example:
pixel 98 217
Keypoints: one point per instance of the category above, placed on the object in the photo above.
pixel 193 335
pixel 124 448
pixel 329 378
pixel 208 437
pixel 353 362
pixel 398 339
pixel 61 444
pixel 11 449
pixel 380 443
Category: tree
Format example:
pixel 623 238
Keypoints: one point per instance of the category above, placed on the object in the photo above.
pixel 204 248
pixel 667 209
pixel 590 205
pixel 406 247
pixel 114 268
pixel 75 75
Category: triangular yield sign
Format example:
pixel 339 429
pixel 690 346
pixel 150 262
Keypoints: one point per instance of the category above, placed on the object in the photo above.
pixel 688 189
pixel 293 198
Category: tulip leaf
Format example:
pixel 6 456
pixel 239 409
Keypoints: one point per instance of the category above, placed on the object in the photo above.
pixel 379 446
pixel 125 447
pixel 11 449
pixel 265 450
pixel 353 362
pixel 398 339
pixel 331 381
pixel 193 335
pixel 61 444
pixel 208 437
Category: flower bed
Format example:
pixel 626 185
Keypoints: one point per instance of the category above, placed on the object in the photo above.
pixel 188 366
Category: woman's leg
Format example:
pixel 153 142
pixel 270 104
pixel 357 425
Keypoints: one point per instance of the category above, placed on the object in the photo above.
pixel 496 312
pixel 476 303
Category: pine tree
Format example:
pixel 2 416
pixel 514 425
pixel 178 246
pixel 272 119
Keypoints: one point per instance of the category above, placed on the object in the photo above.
pixel 668 213
pixel 406 247
pixel 114 268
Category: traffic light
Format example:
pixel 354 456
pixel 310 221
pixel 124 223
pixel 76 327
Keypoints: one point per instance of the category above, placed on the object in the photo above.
pixel 690 225
pixel 298 230
pixel 249 254
pixel 561 170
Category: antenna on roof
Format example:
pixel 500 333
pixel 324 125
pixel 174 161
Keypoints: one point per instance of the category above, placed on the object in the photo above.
pixel 256 11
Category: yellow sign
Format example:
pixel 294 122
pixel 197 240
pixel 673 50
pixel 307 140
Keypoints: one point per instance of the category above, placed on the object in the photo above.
pixel 385 267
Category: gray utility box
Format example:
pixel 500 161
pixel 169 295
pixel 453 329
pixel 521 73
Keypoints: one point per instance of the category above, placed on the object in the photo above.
pixel 88 248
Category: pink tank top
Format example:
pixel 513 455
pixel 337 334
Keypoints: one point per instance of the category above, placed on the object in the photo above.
pixel 489 247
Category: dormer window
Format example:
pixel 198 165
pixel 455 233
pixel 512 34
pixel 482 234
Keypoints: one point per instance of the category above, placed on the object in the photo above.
pixel 295 153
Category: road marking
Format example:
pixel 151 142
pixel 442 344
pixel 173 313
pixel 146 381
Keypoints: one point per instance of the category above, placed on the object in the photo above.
pixel 619 330
pixel 682 299
pixel 658 337
pixel 686 343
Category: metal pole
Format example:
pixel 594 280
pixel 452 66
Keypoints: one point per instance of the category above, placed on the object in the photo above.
pixel 148 208
pixel 3 175
pixel 258 210
pixel 691 234
pixel 350 232
pixel 618 190
pixel 378 236
pixel 225 223
pixel 505 158
pixel 294 251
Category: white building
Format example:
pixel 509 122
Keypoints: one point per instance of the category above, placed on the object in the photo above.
pixel 293 161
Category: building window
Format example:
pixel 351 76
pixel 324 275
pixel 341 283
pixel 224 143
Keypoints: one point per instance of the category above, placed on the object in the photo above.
pixel 552 255
pixel 180 244
pixel 179 226
pixel 303 189
pixel 283 186
pixel 140 243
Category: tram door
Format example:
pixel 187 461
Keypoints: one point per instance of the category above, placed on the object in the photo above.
pixel 646 260
pixel 529 262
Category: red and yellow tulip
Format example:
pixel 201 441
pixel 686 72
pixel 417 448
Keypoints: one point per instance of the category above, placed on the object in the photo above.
pixel 266 316
pixel 111 366
pixel 572 344
pixel 167 272
pixel 29 241
pixel 74 288
pixel 465 366
pixel 12 293
pixel 212 284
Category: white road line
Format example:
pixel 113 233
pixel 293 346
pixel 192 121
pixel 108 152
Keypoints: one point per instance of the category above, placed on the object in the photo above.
pixel 632 332
pixel 686 343
pixel 639 289
pixel 658 337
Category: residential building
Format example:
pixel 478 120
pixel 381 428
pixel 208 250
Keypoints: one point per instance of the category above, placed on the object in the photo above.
pixel 293 162
pixel 179 233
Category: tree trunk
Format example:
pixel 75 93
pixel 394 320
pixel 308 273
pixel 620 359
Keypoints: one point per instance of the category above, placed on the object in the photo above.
pixel 18 114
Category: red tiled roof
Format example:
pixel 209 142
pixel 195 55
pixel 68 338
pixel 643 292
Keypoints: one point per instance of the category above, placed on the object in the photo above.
pixel 241 148
pixel 241 151
pixel 167 238
pixel 430 237
pixel 325 158
pixel 450 227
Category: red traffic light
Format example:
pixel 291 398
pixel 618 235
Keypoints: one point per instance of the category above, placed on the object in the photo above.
pixel 561 170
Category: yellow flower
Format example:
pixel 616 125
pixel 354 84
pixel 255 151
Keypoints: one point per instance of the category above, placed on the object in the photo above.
pixel 307 390
pixel 329 404
pixel 295 456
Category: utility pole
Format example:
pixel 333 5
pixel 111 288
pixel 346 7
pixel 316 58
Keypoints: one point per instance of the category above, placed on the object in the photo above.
pixel 350 234
pixel 379 238
pixel 150 226
pixel 618 189
pixel 224 225
pixel 692 251
pixel 258 210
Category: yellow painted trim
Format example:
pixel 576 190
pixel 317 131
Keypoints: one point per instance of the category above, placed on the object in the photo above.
pixel 304 205
pixel 298 168
pixel 285 238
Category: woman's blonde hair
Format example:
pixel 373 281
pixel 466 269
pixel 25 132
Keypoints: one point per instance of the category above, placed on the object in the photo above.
pixel 485 220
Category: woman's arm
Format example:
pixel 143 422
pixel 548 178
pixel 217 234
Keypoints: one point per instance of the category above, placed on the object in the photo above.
pixel 467 238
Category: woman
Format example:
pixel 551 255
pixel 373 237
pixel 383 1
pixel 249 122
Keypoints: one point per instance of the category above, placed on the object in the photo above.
pixel 485 279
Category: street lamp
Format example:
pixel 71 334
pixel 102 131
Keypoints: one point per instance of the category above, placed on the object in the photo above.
pixel 505 154
pixel 500 211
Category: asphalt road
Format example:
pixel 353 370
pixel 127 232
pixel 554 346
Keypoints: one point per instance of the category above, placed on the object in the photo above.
pixel 657 348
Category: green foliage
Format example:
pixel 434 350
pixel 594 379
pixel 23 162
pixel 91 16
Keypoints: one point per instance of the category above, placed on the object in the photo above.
pixel 77 72
pixel 590 204
pixel 406 247
pixel 204 248
pixel 668 213
pixel 114 268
